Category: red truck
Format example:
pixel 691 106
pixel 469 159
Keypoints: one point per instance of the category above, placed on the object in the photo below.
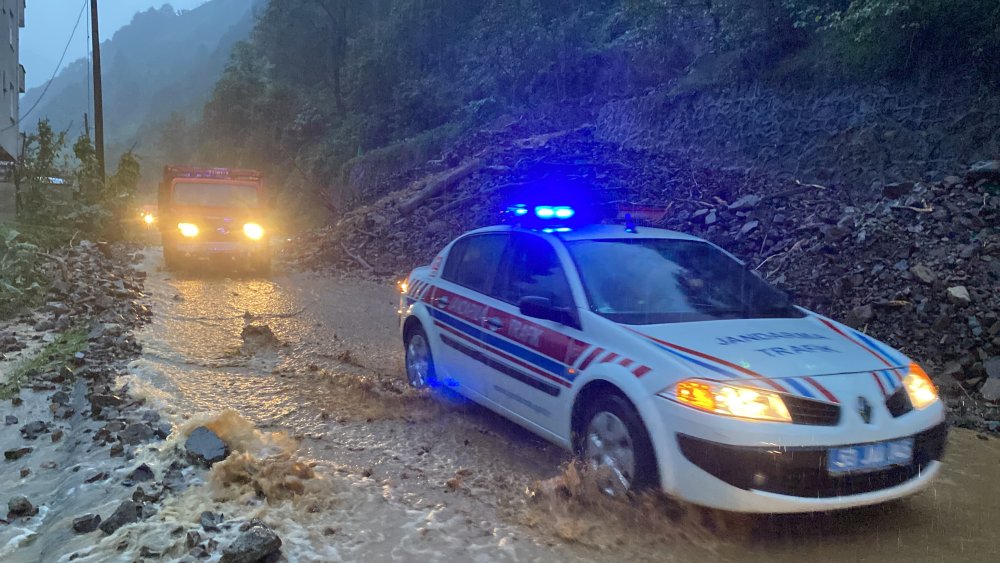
pixel 214 212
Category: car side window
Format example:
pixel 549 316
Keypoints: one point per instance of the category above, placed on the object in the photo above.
pixel 531 267
pixel 473 261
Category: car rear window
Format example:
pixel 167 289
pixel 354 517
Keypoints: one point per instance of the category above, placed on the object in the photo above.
pixel 654 281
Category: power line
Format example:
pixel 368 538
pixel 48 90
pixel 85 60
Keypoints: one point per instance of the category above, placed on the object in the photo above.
pixel 54 72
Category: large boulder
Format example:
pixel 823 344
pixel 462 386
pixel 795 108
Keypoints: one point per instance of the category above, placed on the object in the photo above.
pixel 205 447
pixel 126 513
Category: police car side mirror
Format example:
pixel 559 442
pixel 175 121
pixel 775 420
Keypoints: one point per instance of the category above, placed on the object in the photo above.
pixel 542 308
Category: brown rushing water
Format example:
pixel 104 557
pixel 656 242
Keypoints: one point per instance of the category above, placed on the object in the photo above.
pixel 403 477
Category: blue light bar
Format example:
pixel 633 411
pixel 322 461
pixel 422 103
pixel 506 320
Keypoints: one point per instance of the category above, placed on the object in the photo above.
pixel 549 212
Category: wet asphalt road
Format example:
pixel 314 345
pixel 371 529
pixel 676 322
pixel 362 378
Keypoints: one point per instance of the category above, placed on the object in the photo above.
pixel 334 383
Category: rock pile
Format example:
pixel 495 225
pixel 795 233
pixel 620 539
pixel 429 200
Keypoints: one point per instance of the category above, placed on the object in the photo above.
pixel 914 264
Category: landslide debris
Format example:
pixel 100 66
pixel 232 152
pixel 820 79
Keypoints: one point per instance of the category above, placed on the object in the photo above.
pixel 916 264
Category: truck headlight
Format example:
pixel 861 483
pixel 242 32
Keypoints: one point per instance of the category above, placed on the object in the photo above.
pixel 149 218
pixel 919 387
pixel 730 400
pixel 253 231
pixel 188 230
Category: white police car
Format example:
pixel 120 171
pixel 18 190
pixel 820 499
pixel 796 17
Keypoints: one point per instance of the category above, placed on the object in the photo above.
pixel 664 362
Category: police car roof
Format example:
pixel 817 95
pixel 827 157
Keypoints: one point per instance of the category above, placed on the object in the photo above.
pixel 597 231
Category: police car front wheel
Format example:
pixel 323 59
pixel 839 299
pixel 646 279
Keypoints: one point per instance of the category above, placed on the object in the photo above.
pixel 613 442
pixel 419 362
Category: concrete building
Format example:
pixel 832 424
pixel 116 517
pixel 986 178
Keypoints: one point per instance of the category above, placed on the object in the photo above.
pixel 11 88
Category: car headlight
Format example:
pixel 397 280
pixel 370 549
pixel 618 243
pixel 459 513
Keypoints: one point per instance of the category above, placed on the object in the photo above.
pixel 919 387
pixel 729 400
pixel 253 231
pixel 188 229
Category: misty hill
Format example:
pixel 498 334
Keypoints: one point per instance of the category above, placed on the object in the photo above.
pixel 163 62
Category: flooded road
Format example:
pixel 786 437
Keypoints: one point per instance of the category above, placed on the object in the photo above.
pixel 400 476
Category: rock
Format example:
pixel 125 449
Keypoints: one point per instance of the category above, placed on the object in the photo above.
pixel 117 450
pixel 897 190
pixel 126 513
pixel 11 455
pixel 25 472
pixel 57 435
pixel 959 295
pixel 746 202
pixel 86 523
pixel 20 506
pixel 97 477
pixel 137 433
pixel 204 447
pixel 99 402
pixel 257 338
pixel 711 218
pixel 210 521
pixel 163 430
pixel 142 473
pixel 749 226
pixel 991 388
pixel 923 273
pixel 10 420
pixel 192 539
pixel 32 430
pixel 253 545
pixel 860 316
pixel 983 170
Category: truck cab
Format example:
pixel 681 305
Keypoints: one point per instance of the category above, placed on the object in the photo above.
pixel 214 213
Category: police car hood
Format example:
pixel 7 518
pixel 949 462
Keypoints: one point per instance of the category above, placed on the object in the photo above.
pixel 774 348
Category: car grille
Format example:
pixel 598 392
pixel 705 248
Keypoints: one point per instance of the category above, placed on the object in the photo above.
pixel 899 403
pixel 802 472
pixel 816 413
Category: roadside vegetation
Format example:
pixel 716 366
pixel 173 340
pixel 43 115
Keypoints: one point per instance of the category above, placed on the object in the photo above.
pixel 62 200
pixel 325 90
pixel 57 353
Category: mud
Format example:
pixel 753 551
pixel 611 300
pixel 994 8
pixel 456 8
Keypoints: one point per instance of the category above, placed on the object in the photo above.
pixel 344 462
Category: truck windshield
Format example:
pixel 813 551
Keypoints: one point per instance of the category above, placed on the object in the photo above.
pixel 654 281
pixel 197 194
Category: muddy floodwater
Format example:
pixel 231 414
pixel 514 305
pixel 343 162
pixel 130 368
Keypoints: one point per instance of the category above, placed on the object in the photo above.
pixel 399 476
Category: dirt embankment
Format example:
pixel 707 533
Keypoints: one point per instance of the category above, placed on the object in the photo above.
pixel 915 264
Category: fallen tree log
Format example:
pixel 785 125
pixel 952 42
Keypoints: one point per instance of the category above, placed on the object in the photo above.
pixel 439 183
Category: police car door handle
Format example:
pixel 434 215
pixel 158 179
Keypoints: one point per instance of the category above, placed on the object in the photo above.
pixel 493 323
pixel 442 301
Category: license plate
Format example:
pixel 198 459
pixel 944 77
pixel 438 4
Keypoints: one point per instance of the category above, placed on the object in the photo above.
pixel 869 457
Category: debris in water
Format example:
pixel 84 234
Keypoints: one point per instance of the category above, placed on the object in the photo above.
pixel 257 338
pixel 142 473
pixel 11 455
pixel 32 430
pixel 204 446
pixel 255 544
pixel 20 506
pixel 210 521
pixel 86 523
pixel 126 513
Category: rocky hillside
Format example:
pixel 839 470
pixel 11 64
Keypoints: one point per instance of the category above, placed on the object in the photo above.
pixel 916 265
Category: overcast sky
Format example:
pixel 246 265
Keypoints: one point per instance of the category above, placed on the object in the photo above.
pixel 48 24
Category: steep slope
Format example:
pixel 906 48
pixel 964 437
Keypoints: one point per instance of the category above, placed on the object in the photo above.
pixel 162 62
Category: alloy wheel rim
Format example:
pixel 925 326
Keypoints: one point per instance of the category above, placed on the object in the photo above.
pixel 609 450
pixel 417 361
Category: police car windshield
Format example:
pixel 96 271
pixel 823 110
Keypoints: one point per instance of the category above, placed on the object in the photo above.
pixel 654 281
pixel 204 194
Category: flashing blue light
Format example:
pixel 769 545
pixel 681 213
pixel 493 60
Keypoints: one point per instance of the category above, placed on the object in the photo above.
pixel 557 230
pixel 520 211
pixel 545 212
pixel 549 212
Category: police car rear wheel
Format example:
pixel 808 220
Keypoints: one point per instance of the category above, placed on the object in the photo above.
pixel 419 362
pixel 615 445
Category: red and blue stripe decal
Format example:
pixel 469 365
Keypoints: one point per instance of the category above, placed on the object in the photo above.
pixel 730 370
pixel 888 379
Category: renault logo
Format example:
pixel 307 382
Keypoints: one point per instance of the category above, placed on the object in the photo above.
pixel 865 410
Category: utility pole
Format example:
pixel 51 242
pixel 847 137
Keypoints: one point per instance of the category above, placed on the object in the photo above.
pixel 98 97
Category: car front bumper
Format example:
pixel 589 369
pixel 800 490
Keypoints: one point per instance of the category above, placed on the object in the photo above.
pixel 210 248
pixel 743 466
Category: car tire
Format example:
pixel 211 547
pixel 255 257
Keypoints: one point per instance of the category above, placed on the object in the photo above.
pixel 419 362
pixel 171 258
pixel 261 263
pixel 613 442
